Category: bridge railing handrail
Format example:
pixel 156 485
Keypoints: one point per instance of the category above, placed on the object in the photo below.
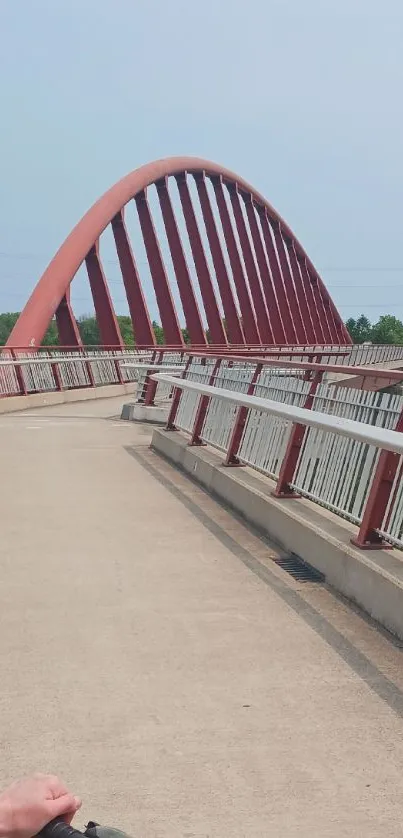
pixel 379 437
pixel 376 461
pixel 78 367
pixel 313 366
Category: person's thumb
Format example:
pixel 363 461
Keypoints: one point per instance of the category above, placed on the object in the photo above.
pixel 65 805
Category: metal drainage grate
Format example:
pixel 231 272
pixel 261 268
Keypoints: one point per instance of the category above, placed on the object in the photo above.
pixel 299 570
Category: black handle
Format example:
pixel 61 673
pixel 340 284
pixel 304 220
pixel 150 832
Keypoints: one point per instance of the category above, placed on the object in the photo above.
pixel 59 829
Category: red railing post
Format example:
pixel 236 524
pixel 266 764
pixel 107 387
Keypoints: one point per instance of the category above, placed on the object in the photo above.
pixel 56 375
pixel 19 374
pixel 119 373
pixel 368 537
pixel 170 425
pixel 232 458
pixel 150 386
pixel 146 381
pixel 283 488
pixel 88 367
pixel 202 409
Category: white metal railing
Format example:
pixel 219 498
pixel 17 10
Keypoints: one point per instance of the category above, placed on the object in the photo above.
pixel 32 372
pixel 168 360
pixel 341 446
pixel 359 354
pixel 368 354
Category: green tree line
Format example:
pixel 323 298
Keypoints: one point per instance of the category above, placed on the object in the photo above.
pixel 88 328
pixel 388 329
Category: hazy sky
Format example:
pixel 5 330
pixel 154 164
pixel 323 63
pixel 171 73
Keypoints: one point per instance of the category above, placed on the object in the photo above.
pixel 303 98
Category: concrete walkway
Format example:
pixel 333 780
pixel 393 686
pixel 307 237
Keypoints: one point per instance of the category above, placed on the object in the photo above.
pixel 154 655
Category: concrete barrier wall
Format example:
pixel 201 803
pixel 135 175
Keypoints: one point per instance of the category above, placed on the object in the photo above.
pixel 373 580
pixel 10 404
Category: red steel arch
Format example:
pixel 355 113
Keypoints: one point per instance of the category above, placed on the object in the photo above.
pixel 269 291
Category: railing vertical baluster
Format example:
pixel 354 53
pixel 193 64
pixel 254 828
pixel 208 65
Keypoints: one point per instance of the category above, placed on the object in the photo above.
pixel 232 458
pixel 202 409
pixel 283 488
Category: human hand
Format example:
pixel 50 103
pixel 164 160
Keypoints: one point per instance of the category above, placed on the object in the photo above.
pixel 28 805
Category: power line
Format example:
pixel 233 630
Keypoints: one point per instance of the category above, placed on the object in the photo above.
pixel 7 254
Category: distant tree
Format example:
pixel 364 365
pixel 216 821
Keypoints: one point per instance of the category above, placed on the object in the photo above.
pixel 126 329
pixel 52 336
pixel 158 332
pixel 360 330
pixel 388 329
pixel 89 331
pixel 7 323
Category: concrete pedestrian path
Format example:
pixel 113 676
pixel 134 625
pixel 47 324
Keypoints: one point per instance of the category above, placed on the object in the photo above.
pixel 155 656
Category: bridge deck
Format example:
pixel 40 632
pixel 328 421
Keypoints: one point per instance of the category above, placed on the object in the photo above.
pixel 155 656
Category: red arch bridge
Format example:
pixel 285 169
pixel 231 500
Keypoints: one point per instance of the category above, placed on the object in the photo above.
pixel 251 281
pixel 221 262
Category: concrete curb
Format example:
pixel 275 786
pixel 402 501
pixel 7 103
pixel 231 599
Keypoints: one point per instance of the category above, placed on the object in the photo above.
pixel 11 404
pixel 372 580
pixel 135 412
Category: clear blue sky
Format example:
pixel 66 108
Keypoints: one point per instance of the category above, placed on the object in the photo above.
pixel 301 97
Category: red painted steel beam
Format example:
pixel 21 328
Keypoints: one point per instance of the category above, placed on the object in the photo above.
pixel 67 328
pixel 327 320
pixel 290 291
pixel 282 299
pixel 249 324
pixel 214 320
pixel 273 311
pixel 300 287
pixel 143 330
pixel 189 303
pixel 166 307
pixel 263 321
pixel 233 326
pixel 315 306
pixel 106 318
pixel 334 322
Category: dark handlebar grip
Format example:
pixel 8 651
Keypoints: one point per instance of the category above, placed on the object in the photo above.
pixel 59 829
